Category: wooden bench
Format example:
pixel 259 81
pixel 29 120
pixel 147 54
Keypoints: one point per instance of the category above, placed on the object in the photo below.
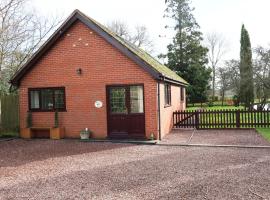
pixel 42 132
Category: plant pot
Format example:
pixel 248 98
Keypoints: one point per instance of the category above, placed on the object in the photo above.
pixel 25 133
pixel 57 133
pixel 85 136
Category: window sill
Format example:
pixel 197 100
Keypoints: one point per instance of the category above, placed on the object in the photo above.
pixel 47 110
pixel 168 105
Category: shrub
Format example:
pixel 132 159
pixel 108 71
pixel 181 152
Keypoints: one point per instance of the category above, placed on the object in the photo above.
pixel 29 121
pixel 236 101
pixel 210 104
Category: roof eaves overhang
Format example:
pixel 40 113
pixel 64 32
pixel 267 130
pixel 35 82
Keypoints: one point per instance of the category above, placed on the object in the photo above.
pixel 172 81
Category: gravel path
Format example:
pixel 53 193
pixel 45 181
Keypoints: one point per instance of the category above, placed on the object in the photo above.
pixel 68 169
pixel 216 137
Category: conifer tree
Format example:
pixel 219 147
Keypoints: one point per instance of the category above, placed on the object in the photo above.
pixel 246 95
pixel 186 55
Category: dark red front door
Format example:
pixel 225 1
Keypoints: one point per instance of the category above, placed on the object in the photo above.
pixel 125 111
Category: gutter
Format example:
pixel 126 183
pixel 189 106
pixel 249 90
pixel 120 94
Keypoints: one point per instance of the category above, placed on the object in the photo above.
pixel 163 78
pixel 166 79
pixel 159 121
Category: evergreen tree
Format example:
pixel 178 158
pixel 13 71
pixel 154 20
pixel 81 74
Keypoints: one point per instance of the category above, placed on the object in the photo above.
pixel 246 70
pixel 186 56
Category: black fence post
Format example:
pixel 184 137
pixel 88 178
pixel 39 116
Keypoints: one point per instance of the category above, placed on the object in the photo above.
pixel 237 119
pixel 196 119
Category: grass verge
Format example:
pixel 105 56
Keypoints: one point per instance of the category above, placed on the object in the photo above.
pixel 265 132
pixel 217 108
pixel 8 134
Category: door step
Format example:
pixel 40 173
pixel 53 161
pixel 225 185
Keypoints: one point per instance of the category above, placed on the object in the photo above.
pixel 145 142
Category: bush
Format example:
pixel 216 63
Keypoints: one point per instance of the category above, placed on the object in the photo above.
pixel 236 101
pixel 9 113
pixel 29 122
pixel 210 104
pixel 213 99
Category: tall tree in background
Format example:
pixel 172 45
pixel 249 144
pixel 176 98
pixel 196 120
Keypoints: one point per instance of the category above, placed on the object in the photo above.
pixel 223 74
pixel 229 79
pixel 215 42
pixel 22 31
pixel 186 56
pixel 262 74
pixel 138 36
pixel 246 70
pixel 233 68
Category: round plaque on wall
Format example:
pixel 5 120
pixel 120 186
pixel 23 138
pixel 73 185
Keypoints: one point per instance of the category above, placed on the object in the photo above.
pixel 98 104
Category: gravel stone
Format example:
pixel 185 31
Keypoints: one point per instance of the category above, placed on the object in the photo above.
pixel 216 137
pixel 69 169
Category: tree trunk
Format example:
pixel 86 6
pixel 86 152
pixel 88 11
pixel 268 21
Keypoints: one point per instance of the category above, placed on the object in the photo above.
pixel 222 98
pixel 213 84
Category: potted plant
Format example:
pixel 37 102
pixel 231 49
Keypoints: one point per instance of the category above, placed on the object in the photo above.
pixel 26 132
pixel 85 134
pixel 152 137
pixel 56 132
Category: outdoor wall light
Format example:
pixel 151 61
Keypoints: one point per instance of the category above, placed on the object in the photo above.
pixel 79 71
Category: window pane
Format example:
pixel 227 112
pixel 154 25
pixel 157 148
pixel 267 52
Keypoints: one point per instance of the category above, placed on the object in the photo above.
pixel 59 100
pixel 47 99
pixel 167 94
pixel 182 94
pixel 136 99
pixel 34 95
pixel 118 100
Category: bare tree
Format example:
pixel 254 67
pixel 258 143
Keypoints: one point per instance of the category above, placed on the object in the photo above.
pixel 141 38
pixel 229 79
pixel 138 37
pixel 233 67
pixel 217 48
pixel 22 31
pixel 120 28
pixel 223 81
pixel 262 74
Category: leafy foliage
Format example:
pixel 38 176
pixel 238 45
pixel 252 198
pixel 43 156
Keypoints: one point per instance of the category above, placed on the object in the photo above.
pixel 246 70
pixel 9 113
pixel 186 55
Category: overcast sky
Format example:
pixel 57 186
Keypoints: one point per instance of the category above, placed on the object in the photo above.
pixel 223 16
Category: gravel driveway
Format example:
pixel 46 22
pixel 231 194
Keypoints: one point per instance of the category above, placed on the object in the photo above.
pixel 69 169
pixel 216 137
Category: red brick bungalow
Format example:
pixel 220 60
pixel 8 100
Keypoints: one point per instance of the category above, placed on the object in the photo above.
pixel 96 79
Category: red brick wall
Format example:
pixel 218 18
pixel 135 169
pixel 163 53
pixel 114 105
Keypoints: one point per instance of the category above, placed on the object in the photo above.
pixel 101 65
pixel 167 112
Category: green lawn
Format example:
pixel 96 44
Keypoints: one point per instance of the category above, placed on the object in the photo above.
pixel 209 119
pixel 265 132
pixel 205 104
pixel 217 108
